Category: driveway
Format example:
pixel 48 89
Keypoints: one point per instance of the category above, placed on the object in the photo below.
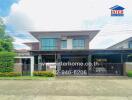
pixel 68 88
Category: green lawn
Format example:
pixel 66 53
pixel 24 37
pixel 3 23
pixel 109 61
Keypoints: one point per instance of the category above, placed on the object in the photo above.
pixel 26 78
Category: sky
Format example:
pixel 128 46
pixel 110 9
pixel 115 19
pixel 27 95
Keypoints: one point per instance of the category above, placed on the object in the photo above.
pixel 22 16
pixel 5 6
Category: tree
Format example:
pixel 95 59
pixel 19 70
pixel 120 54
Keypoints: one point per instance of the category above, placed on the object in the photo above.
pixel 6 50
pixel 5 39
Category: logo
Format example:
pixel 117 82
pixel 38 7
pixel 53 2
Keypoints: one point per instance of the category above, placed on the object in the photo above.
pixel 117 11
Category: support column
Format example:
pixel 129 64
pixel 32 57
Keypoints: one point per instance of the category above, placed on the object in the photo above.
pixel 89 62
pixel 32 65
pixel 90 58
pixel 121 58
pixel 20 64
pixel 39 63
pixel 58 67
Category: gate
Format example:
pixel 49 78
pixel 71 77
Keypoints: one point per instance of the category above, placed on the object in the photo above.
pixel 73 70
pixel 114 69
pixel 106 69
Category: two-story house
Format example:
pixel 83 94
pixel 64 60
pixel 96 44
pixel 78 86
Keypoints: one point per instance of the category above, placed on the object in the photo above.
pixel 68 53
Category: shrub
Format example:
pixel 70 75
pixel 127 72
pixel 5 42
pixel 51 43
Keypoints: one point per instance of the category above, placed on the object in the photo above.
pixel 10 74
pixel 129 73
pixel 6 61
pixel 43 73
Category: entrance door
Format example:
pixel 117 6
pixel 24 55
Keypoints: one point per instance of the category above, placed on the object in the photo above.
pixel 26 66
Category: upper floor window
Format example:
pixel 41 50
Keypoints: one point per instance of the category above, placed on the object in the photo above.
pixel 64 44
pixel 48 43
pixel 130 44
pixel 78 43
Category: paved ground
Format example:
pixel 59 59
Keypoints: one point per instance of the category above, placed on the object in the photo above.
pixel 65 88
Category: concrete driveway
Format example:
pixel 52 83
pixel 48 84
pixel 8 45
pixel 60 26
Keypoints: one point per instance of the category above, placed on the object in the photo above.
pixel 68 88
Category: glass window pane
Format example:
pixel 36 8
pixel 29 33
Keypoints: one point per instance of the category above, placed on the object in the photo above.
pixel 48 43
pixel 78 43
pixel 63 44
pixel 130 44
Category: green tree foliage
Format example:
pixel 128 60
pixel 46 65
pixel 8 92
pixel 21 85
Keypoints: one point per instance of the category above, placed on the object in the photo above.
pixel 6 50
pixel 5 39
pixel 6 61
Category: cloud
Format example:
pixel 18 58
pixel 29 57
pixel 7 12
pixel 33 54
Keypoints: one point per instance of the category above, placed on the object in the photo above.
pixel 5 6
pixel 51 15
pixel 18 21
pixel 97 23
pixel 65 14
pixel 116 30
pixel 61 14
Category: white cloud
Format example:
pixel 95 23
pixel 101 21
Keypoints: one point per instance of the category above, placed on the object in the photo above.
pixel 61 14
pixel 116 30
pixel 50 15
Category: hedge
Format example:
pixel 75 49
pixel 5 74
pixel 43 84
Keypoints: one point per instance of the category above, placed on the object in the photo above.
pixel 6 61
pixel 43 73
pixel 10 74
pixel 129 73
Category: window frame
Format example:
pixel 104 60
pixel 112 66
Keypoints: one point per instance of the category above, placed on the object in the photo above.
pixel 47 45
pixel 78 43
pixel 63 45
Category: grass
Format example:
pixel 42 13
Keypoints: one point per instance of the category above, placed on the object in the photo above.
pixel 26 78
